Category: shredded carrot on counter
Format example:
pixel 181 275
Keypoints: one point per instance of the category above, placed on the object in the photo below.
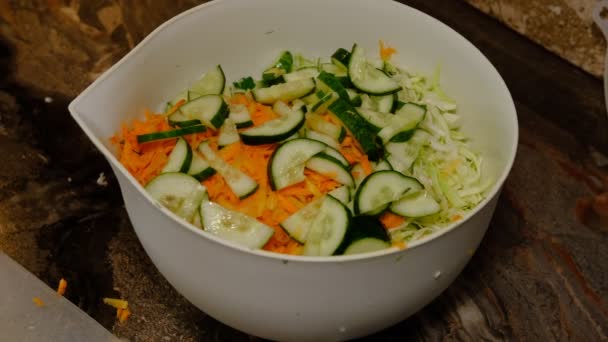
pixel 116 303
pixel 390 220
pixel 39 303
pixel 63 285
pixel 386 52
pixel 122 315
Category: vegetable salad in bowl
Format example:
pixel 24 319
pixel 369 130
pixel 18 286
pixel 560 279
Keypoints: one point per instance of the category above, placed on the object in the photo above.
pixel 317 157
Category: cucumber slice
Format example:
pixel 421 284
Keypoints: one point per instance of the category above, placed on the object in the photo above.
pixel 179 119
pixel 228 133
pixel 330 167
pixel 240 115
pixel 234 226
pixel 182 96
pixel 404 123
pixel 304 73
pixel 366 77
pixel 378 120
pixel 177 192
pixel 355 98
pixel 189 208
pixel 381 188
pixel 212 83
pixel 389 68
pixel 416 205
pixel 239 182
pixel 200 168
pixel 331 83
pixel 384 103
pixel 334 69
pixel 171 134
pixel 342 194
pixel 298 224
pixel 317 123
pixel 365 234
pixel 211 110
pixel 328 229
pixel 329 141
pixel 382 165
pixel 401 155
pixel 337 155
pixel 341 57
pixel 180 157
pixel 275 130
pixel 286 165
pixel 284 92
pixel 358 174
pixel 360 129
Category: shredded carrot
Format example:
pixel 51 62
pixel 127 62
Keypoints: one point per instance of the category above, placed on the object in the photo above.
pixel 386 52
pixel 63 284
pixel 39 303
pixel 456 217
pixel 175 107
pixel 123 315
pixel 399 244
pixel 116 303
pixel 390 220
pixel 365 164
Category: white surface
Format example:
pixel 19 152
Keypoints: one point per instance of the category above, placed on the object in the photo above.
pixel 294 297
pixel 58 320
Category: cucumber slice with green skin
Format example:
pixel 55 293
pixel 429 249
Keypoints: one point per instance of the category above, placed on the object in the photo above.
pixel 284 92
pixel 323 103
pixel 360 129
pixel 389 68
pixel 404 123
pixel 334 69
pixel 401 155
pixel 171 134
pixel 240 115
pixel 245 83
pixel 182 96
pixel 174 190
pixel 228 134
pixel 341 56
pixel 381 188
pixel 416 205
pixel 326 139
pixel 304 73
pixel 365 234
pixel 283 65
pixel 200 168
pixel 275 130
pixel 358 174
pixel 211 110
pixel 355 98
pixel 317 123
pixel 284 62
pixel 298 224
pixel 286 165
pixel 331 167
pixel 366 77
pixel 234 226
pixel 342 194
pixel 384 103
pixel 332 152
pixel 180 157
pixel 179 119
pixel 382 165
pixel 378 120
pixel 239 182
pixel 189 208
pixel 328 229
pixel 211 83
pixel 330 81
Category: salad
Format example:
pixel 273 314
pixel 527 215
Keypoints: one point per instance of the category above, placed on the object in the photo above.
pixel 317 157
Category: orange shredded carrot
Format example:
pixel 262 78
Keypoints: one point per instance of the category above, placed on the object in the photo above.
pixel 63 284
pixel 390 220
pixel 456 217
pixel 175 107
pixel 399 244
pixel 116 303
pixel 123 315
pixel 365 165
pixel 39 303
pixel 386 52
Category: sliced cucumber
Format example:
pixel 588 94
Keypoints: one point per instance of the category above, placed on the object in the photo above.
pixel 245 83
pixel 240 115
pixel 334 69
pixel 298 224
pixel 416 205
pixel 342 194
pixel 182 96
pixel 355 98
pixel 179 119
pixel 275 130
pixel 328 229
pixel 326 139
pixel 200 168
pixel 382 165
pixel 384 103
pixel 378 120
pixel 234 226
pixel 284 92
pixel 171 134
pixel 367 78
pixel 365 234
pixel 381 188
pixel 317 123
pixel 286 165
pixel 189 208
pixel 304 73
pixel 401 155
pixel 211 110
pixel 341 57
pixel 239 182
pixel 212 83
pixel 336 154
pixel 228 133
pixel 177 192
pixel 358 173
pixel 330 167
pixel 180 157
pixel 330 82
pixel 404 123
pixel 360 129
pixel 389 68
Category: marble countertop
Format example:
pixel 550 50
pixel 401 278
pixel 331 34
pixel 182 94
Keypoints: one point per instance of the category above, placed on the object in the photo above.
pixel 539 274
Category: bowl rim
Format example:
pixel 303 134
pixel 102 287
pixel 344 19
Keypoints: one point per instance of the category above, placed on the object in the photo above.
pixel 494 191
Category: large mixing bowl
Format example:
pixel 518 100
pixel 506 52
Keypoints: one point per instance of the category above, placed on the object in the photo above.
pixel 293 297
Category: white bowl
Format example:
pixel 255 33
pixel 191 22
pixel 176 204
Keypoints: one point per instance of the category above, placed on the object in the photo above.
pixel 292 297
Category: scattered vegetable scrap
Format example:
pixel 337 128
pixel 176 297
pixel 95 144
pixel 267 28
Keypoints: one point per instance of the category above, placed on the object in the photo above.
pixel 122 311
pixel 63 285
pixel 38 301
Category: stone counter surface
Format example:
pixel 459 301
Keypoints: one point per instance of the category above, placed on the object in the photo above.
pixel 539 274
